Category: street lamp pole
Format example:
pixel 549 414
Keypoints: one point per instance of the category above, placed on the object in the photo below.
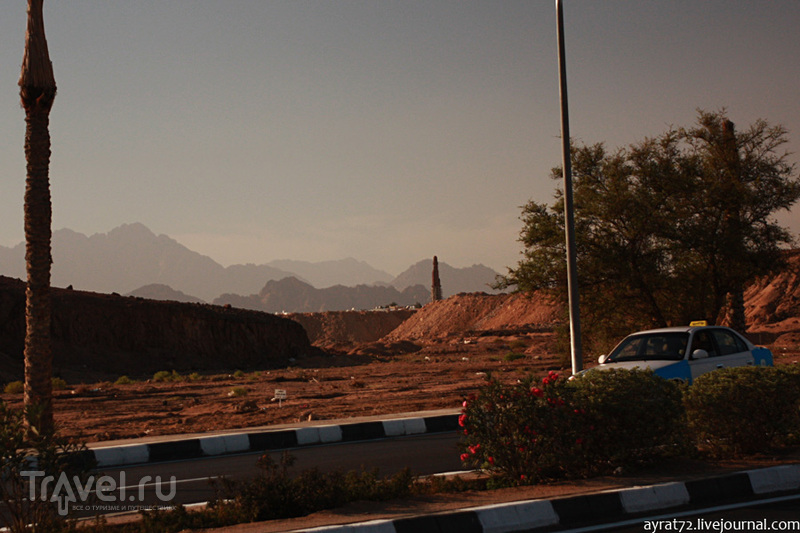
pixel 569 217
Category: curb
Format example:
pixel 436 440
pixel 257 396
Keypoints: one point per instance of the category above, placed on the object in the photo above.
pixel 585 509
pixel 263 440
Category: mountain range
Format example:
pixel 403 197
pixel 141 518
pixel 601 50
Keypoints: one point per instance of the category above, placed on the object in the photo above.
pixel 131 259
pixel 292 295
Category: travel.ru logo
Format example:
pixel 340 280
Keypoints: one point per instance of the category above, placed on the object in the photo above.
pixel 68 492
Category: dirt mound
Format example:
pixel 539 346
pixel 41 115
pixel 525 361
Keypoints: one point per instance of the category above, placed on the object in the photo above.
pixel 334 329
pixel 469 314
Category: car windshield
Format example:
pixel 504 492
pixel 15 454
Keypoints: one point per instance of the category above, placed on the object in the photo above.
pixel 650 346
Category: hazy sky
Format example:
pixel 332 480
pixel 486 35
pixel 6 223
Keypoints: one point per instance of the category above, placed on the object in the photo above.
pixel 385 130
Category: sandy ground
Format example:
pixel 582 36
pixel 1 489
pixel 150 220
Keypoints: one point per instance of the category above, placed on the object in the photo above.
pixel 324 387
pixel 437 376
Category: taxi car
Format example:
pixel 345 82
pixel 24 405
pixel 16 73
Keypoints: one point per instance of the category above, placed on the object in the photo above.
pixel 686 352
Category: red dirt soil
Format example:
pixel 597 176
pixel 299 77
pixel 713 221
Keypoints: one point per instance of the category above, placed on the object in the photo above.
pixel 433 359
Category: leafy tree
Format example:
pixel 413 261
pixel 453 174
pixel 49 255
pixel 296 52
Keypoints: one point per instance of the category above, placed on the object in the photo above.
pixel 37 92
pixel 666 228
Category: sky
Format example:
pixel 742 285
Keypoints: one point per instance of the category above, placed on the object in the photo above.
pixel 385 130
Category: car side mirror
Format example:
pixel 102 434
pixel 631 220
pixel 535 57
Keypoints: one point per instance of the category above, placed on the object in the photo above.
pixel 699 354
pixel 602 359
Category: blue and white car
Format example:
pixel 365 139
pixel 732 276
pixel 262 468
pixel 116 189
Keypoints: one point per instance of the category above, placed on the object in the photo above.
pixel 684 353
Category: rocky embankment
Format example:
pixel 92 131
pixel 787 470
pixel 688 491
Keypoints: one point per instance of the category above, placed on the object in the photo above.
pixel 100 333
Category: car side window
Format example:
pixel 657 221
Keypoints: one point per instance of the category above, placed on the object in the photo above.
pixel 703 341
pixel 728 342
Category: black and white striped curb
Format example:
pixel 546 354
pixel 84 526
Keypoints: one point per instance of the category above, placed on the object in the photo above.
pixel 193 448
pixel 576 511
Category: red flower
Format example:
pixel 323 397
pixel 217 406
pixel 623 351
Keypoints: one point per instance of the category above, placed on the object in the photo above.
pixel 536 391
pixel 474 448
pixel 464 457
pixel 462 420
pixel 490 459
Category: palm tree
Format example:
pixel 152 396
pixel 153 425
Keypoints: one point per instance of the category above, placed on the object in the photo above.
pixel 37 91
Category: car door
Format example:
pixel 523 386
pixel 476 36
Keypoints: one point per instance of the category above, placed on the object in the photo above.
pixel 703 340
pixel 725 349
pixel 732 349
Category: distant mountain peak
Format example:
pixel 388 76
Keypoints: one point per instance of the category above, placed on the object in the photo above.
pixel 476 278
pixel 158 291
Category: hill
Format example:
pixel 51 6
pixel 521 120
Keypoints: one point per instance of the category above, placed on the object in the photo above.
pixel 772 305
pixel 157 291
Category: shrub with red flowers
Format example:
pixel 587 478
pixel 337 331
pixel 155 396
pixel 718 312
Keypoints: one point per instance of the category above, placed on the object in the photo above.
pixel 554 428
pixel 526 431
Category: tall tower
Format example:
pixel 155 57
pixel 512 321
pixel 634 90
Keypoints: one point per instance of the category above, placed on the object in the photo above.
pixel 436 287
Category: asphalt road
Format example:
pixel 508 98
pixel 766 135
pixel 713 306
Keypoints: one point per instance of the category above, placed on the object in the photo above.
pixel 152 485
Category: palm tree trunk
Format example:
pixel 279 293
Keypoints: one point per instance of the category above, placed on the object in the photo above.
pixel 37 91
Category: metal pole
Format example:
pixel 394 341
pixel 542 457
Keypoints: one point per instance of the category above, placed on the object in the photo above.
pixel 569 217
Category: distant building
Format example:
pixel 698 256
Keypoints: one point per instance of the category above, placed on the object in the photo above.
pixel 436 286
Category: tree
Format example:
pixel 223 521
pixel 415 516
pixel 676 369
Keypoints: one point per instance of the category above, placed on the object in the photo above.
pixel 37 92
pixel 667 228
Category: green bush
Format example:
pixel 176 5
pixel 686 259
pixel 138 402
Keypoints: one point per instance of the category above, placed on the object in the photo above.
pixel 238 374
pixel 15 387
pixel 58 384
pixel 742 410
pixel 791 385
pixel 238 392
pixel 164 376
pixel 123 380
pixel 635 415
pixel 513 356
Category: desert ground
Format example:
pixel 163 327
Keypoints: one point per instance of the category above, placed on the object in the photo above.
pixel 432 360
